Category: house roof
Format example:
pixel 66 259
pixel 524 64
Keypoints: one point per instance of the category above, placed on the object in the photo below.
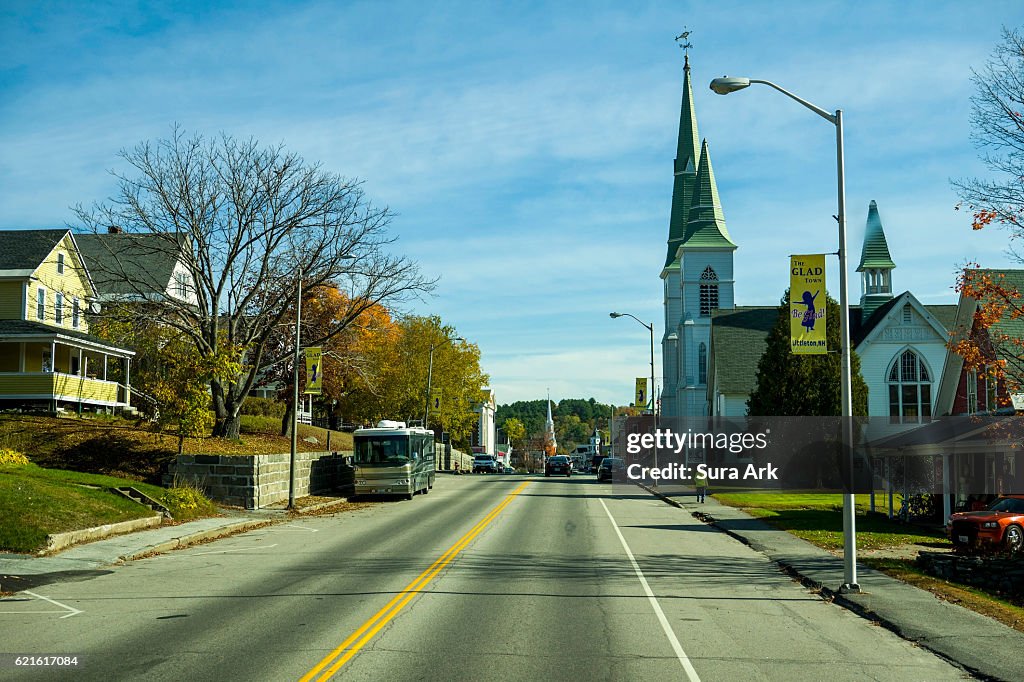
pixel 738 338
pixel 20 329
pixel 26 249
pixel 132 264
pixel 860 329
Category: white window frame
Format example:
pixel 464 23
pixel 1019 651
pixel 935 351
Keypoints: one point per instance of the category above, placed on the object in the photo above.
pixel 41 303
pixel 972 391
pixel 60 263
pixel 76 312
pixel 58 307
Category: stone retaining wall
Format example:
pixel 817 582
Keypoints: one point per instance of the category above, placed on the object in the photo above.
pixel 256 481
pixel 1001 575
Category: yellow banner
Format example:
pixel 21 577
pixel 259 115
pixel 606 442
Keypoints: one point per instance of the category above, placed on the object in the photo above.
pixel 807 305
pixel 435 399
pixel 314 371
pixel 641 392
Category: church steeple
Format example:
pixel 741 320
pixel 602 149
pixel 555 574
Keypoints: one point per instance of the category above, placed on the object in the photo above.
pixel 705 227
pixel 876 265
pixel 685 168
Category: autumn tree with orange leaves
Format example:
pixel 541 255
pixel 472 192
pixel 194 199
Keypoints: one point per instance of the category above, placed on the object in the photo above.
pixel 351 357
pixel 993 345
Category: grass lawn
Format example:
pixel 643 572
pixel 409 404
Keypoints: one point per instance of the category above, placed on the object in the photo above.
pixel 132 450
pixel 818 519
pixel 35 502
pixel 1005 612
pixel 75 459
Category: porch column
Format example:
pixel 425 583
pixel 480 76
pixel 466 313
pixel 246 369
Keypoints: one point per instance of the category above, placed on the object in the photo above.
pixel 888 481
pixel 53 356
pixel 21 358
pixel 81 364
pixel 104 366
pixel 127 381
pixel 946 510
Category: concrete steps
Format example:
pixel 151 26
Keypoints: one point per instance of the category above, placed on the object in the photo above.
pixel 142 498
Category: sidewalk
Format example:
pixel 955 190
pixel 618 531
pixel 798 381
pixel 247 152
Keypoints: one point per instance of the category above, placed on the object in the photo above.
pixel 25 571
pixel 984 647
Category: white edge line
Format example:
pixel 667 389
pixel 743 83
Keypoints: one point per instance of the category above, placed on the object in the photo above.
pixel 684 660
pixel 73 610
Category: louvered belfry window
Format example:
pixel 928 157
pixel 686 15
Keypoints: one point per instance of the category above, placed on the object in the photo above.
pixel 708 292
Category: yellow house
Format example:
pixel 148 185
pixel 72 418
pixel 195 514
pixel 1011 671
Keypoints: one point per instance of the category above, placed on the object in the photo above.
pixel 48 359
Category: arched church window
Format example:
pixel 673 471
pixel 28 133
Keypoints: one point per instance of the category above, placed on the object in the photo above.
pixel 910 389
pixel 702 364
pixel 708 291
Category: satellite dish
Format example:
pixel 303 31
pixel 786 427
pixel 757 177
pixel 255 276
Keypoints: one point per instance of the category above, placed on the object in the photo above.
pixel 94 306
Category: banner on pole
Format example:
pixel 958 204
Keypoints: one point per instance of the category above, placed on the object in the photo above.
pixel 807 305
pixel 314 371
pixel 435 399
pixel 641 392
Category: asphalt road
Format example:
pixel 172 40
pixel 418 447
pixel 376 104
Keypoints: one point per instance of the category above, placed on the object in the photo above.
pixel 486 578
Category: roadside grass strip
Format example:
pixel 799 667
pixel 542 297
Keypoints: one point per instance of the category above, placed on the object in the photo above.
pixel 366 632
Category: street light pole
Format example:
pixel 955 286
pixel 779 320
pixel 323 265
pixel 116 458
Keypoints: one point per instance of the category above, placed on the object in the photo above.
pixel 295 393
pixel 430 375
pixel 724 86
pixel 650 390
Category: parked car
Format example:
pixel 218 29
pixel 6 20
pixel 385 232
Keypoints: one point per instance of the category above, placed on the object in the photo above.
pixel 509 470
pixel 1000 527
pixel 609 465
pixel 485 464
pixel 559 464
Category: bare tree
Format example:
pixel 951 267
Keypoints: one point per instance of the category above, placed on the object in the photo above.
pixel 247 223
pixel 997 117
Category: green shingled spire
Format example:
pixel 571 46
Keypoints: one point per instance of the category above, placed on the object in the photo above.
pixel 875 253
pixel 706 225
pixel 685 168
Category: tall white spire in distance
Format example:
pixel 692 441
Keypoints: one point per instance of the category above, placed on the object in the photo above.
pixel 549 432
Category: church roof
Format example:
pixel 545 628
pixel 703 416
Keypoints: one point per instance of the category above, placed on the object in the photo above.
pixel 706 225
pixel 738 339
pixel 684 169
pixel 875 253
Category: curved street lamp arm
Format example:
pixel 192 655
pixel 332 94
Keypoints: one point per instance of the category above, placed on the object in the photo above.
pixel 650 326
pixel 813 107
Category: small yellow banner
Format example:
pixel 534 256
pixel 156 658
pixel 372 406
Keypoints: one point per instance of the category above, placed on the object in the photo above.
pixel 807 305
pixel 641 392
pixel 314 371
pixel 435 399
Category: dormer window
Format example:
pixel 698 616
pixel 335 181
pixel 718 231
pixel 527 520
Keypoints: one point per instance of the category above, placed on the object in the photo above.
pixel 60 263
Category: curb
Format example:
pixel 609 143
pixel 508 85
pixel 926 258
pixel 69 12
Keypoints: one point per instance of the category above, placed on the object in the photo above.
pixel 193 538
pixel 56 542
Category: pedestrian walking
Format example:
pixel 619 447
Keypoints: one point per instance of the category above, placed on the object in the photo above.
pixel 700 479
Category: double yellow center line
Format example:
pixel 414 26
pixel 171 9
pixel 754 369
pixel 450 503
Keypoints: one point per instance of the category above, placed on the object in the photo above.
pixel 358 639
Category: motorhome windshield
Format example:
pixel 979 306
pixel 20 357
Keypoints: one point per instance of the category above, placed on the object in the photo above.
pixel 381 450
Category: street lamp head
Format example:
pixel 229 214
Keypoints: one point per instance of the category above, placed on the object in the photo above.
pixel 727 84
pixel 614 315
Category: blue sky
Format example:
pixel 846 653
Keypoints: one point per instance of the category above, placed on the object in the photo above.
pixel 527 148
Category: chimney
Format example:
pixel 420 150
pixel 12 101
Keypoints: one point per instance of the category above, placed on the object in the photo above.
pixel 114 229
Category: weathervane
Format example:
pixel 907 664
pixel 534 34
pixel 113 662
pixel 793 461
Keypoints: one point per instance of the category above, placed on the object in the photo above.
pixel 684 42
